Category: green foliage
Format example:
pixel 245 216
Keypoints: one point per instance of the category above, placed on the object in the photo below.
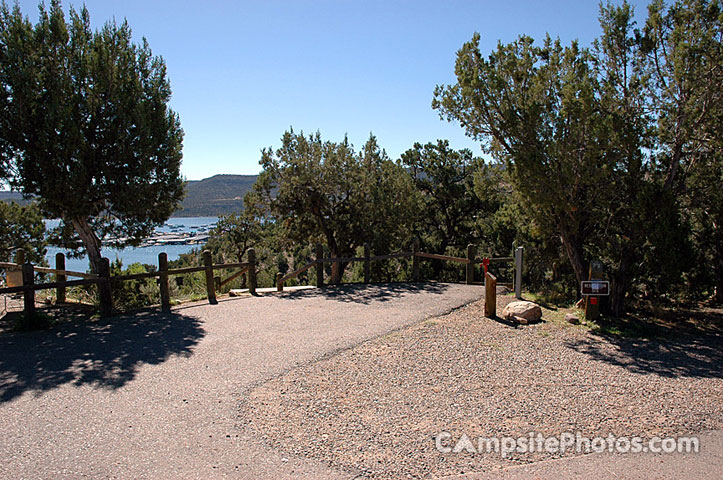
pixel 234 234
pixel 606 149
pixel 445 178
pixel 683 57
pixel 134 294
pixel 324 191
pixel 534 109
pixel 22 227
pixel 87 128
pixel 36 321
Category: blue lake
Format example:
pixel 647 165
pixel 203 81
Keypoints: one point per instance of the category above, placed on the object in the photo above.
pixel 147 255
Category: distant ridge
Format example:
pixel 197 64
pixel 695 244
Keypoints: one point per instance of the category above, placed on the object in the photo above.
pixel 214 196
pixel 210 197
pixel 16 197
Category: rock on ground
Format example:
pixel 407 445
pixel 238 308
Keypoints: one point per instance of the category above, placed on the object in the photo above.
pixel 522 312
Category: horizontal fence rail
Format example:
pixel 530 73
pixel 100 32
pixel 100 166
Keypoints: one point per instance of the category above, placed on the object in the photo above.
pixel 435 256
pixel 51 285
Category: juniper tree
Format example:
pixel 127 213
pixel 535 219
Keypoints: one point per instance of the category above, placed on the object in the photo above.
pixel 534 110
pixel 326 191
pixel 86 126
pixel 21 227
pixel 445 178
pixel 683 57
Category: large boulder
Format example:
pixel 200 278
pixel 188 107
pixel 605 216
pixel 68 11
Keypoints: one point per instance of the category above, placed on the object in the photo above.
pixel 522 312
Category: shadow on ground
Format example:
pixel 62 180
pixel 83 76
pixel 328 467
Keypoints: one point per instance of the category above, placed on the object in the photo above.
pixel 104 353
pixel 686 356
pixel 367 293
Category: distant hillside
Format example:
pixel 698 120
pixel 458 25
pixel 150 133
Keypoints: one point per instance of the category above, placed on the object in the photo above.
pixel 217 195
pixel 13 197
pixel 210 197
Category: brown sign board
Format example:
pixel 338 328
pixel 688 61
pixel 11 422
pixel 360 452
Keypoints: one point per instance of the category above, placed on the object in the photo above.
pixel 595 287
pixel 14 278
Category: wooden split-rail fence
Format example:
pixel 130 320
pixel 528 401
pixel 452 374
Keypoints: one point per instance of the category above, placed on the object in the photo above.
pixel 415 255
pixel 21 274
pixel 25 282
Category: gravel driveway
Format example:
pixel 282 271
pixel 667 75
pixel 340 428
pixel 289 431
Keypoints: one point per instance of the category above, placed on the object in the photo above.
pixel 375 410
pixel 158 396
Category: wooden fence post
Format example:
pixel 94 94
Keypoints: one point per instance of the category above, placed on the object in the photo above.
pixel 210 290
pixel 367 264
pixel 163 278
pixel 319 266
pixel 415 260
pixel 518 272
pixel 29 292
pixel 60 277
pixel 105 294
pixel 490 295
pixel 279 285
pixel 252 270
pixel 471 253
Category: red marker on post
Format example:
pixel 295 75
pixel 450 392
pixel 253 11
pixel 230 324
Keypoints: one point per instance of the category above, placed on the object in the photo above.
pixel 485 263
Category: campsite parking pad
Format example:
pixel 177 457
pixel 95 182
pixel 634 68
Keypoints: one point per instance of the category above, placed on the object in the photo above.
pixel 375 410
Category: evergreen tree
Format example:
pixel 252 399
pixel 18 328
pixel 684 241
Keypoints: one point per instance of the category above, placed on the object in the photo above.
pixel 86 126
pixel 534 109
pixel 21 227
pixel 445 177
pixel 321 191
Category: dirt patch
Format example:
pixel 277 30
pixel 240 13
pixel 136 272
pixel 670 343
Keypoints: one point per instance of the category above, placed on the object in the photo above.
pixel 375 410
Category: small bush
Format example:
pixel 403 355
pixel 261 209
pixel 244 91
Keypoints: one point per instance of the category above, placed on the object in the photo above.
pixel 134 294
pixel 36 321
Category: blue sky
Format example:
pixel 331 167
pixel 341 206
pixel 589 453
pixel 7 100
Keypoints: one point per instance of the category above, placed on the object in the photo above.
pixel 244 72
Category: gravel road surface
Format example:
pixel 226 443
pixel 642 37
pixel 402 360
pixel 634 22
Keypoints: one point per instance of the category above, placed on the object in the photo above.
pixel 375 410
pixel 158 396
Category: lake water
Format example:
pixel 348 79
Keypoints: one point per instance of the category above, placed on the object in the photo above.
pixel 147 255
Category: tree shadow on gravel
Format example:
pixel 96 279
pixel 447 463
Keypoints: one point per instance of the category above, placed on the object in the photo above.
pixel 686 356
pixel 105 353
pixel 368 293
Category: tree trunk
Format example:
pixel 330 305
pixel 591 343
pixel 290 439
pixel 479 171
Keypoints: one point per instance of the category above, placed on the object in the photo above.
pixel 620 282
pixel 674 166
pixel 618 289
pixel 337 268
pixel 90 241
pixel 573 249
pixel 438 265
pixel 719 282
pixel 336 271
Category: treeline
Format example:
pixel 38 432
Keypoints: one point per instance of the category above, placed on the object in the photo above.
pixel 611 152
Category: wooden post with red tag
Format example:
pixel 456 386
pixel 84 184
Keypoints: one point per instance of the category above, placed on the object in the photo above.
pixel 485 264
pixel 593 290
